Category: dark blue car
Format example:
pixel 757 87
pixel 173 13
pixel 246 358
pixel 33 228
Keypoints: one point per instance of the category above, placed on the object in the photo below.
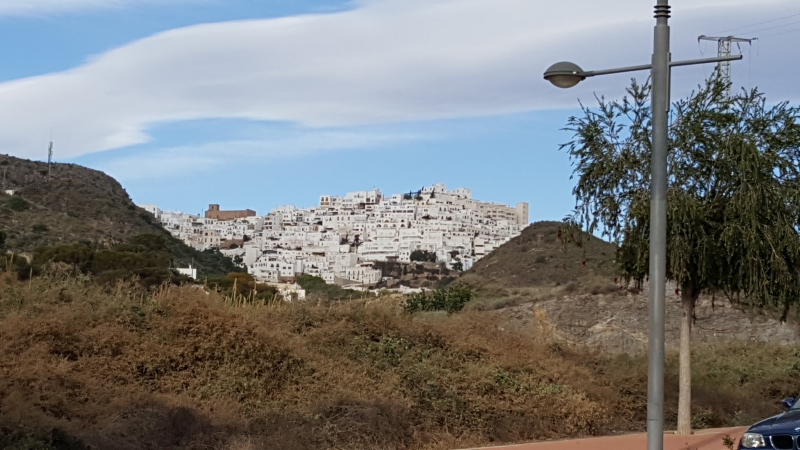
pixel 781 432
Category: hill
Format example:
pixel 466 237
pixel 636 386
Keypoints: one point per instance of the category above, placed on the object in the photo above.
pixel 536 282
pixel 537 258
pixel 76 204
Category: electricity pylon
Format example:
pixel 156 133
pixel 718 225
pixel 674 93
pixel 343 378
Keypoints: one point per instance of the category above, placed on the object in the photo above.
pixel 724 49
pixel 49 159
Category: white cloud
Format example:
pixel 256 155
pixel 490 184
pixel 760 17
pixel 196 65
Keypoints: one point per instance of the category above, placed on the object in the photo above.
pixel 40 7
pixel 167 162
pixel 384 61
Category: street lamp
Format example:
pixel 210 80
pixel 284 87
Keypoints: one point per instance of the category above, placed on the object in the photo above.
pixel 567 75
pixel 564 74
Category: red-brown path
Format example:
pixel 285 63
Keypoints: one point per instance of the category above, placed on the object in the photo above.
pixel 701 440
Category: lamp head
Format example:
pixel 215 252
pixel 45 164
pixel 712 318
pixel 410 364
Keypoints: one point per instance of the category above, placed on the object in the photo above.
pixel 564 74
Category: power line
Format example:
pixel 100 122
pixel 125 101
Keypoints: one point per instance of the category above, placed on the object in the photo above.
pixel 772 28
pixel 754 24
pixel 782 32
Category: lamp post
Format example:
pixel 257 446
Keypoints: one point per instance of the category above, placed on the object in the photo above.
pixel 566 75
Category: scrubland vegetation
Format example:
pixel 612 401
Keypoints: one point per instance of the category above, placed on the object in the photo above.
pixel 151 259
pixel 122 366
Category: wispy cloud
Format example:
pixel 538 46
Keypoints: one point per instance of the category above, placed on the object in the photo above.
pixel 383 61
pixel 182 160
pixel 45 7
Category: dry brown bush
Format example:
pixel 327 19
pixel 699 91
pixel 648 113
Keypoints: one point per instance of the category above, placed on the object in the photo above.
pixel 604 288
pixel 126 368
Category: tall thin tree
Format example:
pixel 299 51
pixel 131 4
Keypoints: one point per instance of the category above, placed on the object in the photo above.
pixel 733 198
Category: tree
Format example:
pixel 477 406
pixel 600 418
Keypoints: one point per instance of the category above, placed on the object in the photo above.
pixel 423 256
pixel 733 198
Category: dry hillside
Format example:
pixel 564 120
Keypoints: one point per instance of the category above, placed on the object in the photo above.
pixel 537 258
pixel 78 204
pixel 617 322
pixel 90 367
pixel 537 283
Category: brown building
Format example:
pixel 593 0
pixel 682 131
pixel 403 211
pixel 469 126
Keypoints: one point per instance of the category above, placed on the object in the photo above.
pixel 214 213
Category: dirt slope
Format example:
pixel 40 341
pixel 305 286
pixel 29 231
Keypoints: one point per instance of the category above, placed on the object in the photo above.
pixel 617 323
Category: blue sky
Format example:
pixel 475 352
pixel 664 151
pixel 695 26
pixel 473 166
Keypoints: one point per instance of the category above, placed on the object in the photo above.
pixel 255 104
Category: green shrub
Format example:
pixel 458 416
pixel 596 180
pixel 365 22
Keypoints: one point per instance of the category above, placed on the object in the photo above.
pixel 131 261
pixel 318 286
pixel 149 257
pixel 24 270
pixel 111 276
pixel 311 283
pixel 451 299
pixel 209 263
pixel 28 442
pixel 39 228
pixel 18 204
pixel 79 255
pixel 153 242
pixel 15 263
pixel 423 256
pixel 144 258
pixel 245 283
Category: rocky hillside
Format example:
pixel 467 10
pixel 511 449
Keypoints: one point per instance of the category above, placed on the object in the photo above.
pixel 537 258
pixel 534 282
pixel 617 323
pixel 77 204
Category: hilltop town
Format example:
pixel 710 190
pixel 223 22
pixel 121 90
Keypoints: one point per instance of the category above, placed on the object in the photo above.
pixel 342 238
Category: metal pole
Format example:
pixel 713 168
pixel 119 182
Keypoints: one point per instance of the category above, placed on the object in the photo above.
pixel 687 62
pixel 658 228
pixel 49 160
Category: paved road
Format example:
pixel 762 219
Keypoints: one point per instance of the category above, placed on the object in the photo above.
pixel 702 440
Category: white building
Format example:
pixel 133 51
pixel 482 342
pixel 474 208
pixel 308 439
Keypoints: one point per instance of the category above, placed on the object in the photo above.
pixel 340 238
pixel 190 272
pixel 152 209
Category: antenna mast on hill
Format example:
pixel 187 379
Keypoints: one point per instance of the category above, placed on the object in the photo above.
pixel 724 49
pixel 49 160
